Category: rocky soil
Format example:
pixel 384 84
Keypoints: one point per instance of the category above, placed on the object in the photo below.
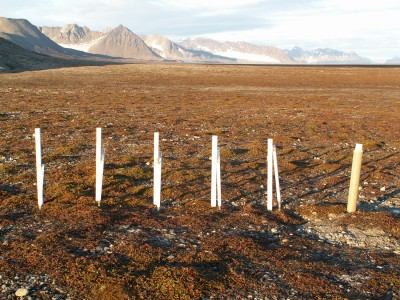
pixel 126 249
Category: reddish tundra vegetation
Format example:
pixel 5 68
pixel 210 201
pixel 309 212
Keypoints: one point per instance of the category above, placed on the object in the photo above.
pixel 126 249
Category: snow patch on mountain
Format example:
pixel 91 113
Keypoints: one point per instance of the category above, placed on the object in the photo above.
pixel 326 56
pixel 241 51
pixel 249 57
pixel 83 46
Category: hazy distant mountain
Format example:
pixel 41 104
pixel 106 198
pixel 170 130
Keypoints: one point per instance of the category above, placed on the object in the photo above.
pixel 326 56
pixel 170 50
pixel 395 60
pixel 242 51
pixel 71 34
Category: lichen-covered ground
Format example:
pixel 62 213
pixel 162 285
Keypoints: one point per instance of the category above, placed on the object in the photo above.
pixel 126 249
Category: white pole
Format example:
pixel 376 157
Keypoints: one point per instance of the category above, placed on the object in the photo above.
pixel 219 197
pixel 269 175
pixel 39 168
pixel 278 189
pixel 157 172
pixel 99 165
pixel 214 158
pixel 355 179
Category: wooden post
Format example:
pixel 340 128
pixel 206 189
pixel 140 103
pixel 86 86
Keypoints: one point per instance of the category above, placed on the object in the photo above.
pixel 278 189
pixel 269 174
pixel 99 165
pixel 157 172
pixel 39 168
pixel 355 179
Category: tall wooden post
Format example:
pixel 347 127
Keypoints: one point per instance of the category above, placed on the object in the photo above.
pixel 355 179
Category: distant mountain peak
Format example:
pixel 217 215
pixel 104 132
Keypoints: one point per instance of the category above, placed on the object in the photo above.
pixel 241 51
pixel 325 56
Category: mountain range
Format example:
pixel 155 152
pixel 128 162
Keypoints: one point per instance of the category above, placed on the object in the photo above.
pixel 73 41
pixel 197 49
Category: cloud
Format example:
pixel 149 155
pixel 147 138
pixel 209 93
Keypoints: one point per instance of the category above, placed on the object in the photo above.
pixel 207 4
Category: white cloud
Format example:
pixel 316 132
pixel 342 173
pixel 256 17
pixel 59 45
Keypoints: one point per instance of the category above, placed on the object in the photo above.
pixel 206 4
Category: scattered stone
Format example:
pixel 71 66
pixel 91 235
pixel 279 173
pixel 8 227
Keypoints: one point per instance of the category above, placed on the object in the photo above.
pixel 22 292
pixel 383 189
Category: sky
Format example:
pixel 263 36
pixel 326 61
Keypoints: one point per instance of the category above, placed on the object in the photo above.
pixel 369 28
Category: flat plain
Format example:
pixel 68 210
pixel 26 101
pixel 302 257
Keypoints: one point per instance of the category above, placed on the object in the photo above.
pixel 126 249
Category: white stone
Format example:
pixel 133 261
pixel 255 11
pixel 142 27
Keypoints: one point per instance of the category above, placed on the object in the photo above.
pixel 21 292
pixel 383 189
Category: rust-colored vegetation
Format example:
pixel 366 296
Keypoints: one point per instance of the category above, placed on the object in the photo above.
pixel 125 249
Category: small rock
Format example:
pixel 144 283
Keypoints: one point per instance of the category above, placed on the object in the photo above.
pixel 383 189
pixel 274 230
pixel 170 257
pixel 21 292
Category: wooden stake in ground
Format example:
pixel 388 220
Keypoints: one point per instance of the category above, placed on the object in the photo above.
pixel 278 189
pixel 269 174
pixel 215 173
pixel 99 165
pixel 355 179
pixel 157 172
pixel 39 168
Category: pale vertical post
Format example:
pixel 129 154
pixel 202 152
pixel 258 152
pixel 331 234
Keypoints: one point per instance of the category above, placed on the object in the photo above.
pixel 219 196
pixel 269 174
pixel 39 168
pixel 355 179
pixel 157 172
pixel 214 154
pixel 99 165
pixel 278 189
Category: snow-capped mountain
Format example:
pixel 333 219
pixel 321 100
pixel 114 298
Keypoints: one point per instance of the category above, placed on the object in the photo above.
pixel 170 50
pixel 242 51
pixel 325 56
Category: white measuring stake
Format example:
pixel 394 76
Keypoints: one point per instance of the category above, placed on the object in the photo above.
pixel 157 172
pixel 39 168
pixel 214 160
pixel 219 197
pixel 278 189
pixel 269 174
pixel 99 165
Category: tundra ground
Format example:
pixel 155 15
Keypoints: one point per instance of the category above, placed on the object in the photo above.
pixel 126 249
